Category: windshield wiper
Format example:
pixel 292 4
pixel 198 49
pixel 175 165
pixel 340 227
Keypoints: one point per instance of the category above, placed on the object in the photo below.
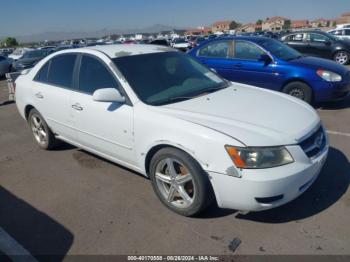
pixel 173 100
pixel 197 94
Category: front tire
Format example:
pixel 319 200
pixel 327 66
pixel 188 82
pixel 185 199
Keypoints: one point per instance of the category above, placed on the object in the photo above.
pixel 299 90
pixel 342 57
pixel 41 131
pixel 179 182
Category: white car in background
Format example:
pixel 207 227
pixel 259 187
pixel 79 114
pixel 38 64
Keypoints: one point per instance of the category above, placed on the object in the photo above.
pixel 341 26
pixel 18 53
pixel 342 33
pixel 181 44
pixel 198 137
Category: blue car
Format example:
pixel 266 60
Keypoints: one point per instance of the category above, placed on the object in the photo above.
pixel 268 63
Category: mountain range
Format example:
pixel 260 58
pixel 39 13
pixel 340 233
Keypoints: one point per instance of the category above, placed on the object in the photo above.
pixel 56 36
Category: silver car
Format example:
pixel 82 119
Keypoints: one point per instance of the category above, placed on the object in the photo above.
pixel 5 65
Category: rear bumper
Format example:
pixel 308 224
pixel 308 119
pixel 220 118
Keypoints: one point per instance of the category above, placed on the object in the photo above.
pixel 264 189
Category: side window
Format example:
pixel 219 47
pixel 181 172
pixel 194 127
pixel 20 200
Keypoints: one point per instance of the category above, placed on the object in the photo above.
pixel 94 75
pixel 41 76
pixel 295 38
pixel 217 49
pixel 61 70
pixel 337 32
pixel 317 38
pixel 347 32
pixel 247 51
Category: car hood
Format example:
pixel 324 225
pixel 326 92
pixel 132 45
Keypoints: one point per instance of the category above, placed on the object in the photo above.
pixel 253 116
pixel 320 63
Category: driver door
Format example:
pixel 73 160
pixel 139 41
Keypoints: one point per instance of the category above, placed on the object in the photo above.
pixel 106 127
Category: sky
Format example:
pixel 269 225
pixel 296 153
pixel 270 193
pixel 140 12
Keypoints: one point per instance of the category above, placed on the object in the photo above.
pixel 26 17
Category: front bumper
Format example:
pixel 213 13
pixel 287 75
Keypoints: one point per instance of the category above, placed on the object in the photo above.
pixel 326 91
pixel 263 189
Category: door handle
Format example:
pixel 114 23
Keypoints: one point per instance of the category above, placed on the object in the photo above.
pixel 39 95
pixel 77 107
pixel 239 65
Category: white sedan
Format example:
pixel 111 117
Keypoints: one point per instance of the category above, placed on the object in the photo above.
pixel 198 137
pixel 181 44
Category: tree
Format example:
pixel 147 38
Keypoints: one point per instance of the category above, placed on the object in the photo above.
pixel 234 25
pixel 287 25
pixel 334 24
pixel 10 42
pixel 259 22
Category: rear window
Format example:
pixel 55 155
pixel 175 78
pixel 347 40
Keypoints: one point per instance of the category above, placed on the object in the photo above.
pixel 61 70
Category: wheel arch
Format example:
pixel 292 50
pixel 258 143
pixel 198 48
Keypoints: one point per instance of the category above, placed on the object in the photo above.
pixel 163 144
pixel 27 110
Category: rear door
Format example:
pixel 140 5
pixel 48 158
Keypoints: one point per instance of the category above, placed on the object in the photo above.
pixel 52 92
pixel 319 45
pixel 217 55
pixel 106 127
pixel 296 41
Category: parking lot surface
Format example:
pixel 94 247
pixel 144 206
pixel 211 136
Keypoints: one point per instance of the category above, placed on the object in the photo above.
pixel 68 201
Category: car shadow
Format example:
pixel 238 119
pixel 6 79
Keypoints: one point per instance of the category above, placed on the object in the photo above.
pixel 330 186
pixel 334 105
pixel 7 103
pixel 43 237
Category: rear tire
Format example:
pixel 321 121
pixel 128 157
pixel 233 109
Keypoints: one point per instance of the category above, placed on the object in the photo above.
pixel 41 131
pixel 299 90
pixel 179 182
pixel 342 57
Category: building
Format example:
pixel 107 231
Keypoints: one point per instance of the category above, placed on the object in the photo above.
pixel 343 19
pixel 249 28
pixel 299 24
pixel 276 23
pixel 199 31
pixel 221 26
pixel 321 22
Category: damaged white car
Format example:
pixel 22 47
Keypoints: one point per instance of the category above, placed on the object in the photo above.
pixel 197 136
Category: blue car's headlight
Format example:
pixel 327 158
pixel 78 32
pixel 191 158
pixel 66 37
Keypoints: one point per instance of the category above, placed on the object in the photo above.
pixel 329 76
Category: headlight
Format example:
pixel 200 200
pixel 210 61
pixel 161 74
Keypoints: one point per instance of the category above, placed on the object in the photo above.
pixel 329 76
pixel 259 157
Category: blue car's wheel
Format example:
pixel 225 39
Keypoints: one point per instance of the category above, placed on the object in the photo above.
pixel 299 90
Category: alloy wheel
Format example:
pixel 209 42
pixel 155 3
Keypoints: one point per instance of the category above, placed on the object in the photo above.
pixel 38 128
pixel 175 183
pixel 342 58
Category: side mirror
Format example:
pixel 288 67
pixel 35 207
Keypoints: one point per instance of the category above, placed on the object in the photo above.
pixel 108 95
pixel 266 59
pixel 328 43
pixel 214 70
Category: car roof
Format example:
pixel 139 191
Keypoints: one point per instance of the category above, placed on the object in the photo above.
pixel 119 50
pixel 308 31
pixel 254 39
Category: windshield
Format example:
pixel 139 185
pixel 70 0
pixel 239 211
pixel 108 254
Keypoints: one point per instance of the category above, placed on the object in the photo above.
pixel 280 50
pixel 34 54
pixel 332 37
pixel 180 41
pixel 18 52
pixel 167 77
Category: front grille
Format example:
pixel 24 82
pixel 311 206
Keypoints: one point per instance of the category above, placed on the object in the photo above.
pixel 315 143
